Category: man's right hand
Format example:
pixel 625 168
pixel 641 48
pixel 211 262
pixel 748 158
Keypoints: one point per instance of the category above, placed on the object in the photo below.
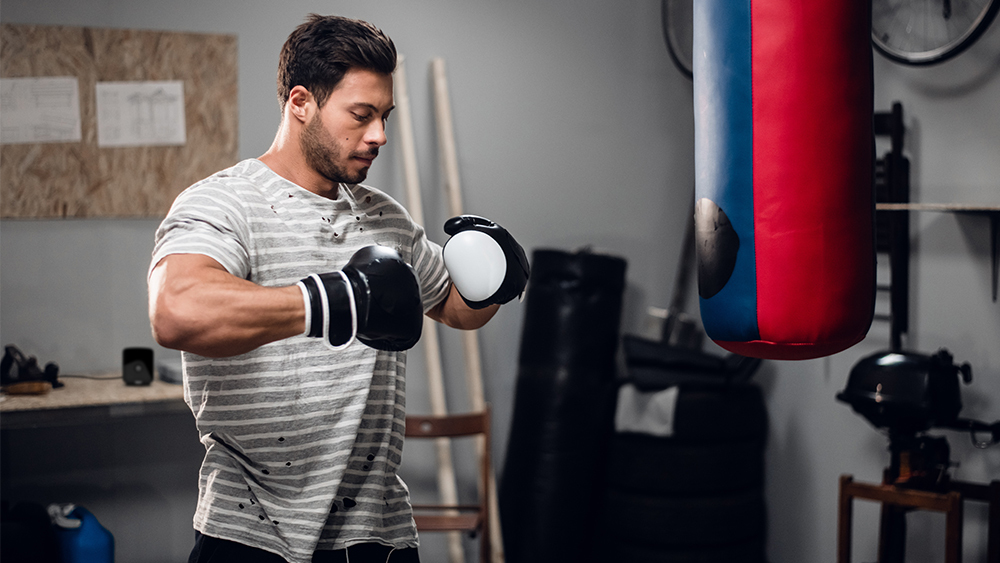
pixel 375 297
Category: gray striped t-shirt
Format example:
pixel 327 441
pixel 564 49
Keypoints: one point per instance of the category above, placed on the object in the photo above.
pixel 303 442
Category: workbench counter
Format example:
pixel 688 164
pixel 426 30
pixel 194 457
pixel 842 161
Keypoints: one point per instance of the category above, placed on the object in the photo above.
pixel 81 400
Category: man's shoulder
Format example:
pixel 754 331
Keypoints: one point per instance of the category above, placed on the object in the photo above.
pixel 240 180
pixel 250 172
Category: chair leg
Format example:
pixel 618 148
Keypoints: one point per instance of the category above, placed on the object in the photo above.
pixel 953 524
pixel 485 549
pixel 993 533
pixel 844 522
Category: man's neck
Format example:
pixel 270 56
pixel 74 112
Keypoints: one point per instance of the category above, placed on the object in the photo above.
pixel 285 160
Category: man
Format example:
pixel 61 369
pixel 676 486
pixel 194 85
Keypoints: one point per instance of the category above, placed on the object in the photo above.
pixel 293 291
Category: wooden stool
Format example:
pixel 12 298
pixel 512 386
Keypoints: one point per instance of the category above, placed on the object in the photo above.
pixel 949 502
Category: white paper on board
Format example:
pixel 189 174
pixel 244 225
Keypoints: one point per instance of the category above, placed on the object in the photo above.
pixel 131 114
pixel 39 110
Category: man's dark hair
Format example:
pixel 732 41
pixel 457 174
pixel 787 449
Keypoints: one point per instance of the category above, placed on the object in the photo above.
pixel 320 51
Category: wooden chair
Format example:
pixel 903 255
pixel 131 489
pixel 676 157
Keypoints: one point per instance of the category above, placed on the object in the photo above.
pixel 949 502
pixel 472 518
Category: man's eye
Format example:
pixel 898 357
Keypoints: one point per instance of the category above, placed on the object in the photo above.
pixel 361 117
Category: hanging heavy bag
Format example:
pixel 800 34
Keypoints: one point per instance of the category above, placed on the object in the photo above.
pixel 563 407
pixel 783 164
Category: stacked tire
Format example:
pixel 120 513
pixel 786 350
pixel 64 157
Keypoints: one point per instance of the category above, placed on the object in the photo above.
pixel 696 496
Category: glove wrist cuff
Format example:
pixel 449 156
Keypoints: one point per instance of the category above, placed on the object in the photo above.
pixel 313 312
pixel 331 311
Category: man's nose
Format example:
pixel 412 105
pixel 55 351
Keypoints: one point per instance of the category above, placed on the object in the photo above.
pixel 375 134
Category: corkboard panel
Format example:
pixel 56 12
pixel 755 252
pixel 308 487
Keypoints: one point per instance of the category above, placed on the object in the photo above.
pixel 83 180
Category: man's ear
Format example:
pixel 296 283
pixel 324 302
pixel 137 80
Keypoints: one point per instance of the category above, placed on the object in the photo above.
pixel 301 104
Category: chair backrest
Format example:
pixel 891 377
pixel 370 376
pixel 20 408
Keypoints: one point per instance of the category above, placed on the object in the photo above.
pixel 448 426
pixel 457 426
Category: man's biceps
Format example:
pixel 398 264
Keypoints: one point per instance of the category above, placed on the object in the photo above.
pixel 180 267
pixel 194 261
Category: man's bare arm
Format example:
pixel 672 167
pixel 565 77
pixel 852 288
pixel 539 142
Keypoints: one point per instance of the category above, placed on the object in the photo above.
pixel 455 313
pixel 197 306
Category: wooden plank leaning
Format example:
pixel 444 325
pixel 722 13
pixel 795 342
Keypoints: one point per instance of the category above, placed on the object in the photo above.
pixel 473 364
pixel 432 349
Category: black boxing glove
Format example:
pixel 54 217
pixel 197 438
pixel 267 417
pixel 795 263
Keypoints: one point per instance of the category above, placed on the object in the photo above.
pixel 375 298
pixel 485 263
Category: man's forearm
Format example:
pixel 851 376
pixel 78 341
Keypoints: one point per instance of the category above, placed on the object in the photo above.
pixel 455 313
pixel 198 307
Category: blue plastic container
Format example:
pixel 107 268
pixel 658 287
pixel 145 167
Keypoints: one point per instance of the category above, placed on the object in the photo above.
pixel 90 543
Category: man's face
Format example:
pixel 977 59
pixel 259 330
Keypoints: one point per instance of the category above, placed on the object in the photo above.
pixel 343 138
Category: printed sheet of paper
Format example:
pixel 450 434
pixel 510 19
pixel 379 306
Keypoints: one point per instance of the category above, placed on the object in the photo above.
pixel 131 114
pixel 39 110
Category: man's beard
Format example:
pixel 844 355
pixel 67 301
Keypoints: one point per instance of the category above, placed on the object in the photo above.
pixel 323 154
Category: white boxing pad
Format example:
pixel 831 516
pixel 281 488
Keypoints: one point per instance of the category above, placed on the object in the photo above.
pixel 476 263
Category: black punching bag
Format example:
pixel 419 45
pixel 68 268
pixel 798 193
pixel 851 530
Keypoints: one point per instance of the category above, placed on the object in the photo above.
pixel 563 407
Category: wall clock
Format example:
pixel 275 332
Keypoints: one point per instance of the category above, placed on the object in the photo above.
pixel 924 32
pixel 912 32
pixel 677 19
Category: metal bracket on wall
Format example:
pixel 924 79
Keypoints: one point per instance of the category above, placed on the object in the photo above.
pixel 892 230
pixel 991 211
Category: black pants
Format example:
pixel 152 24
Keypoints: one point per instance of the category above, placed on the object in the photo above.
pixel 214 550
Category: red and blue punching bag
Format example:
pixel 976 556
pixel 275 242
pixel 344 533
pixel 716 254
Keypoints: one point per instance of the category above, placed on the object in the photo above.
pixel 783 162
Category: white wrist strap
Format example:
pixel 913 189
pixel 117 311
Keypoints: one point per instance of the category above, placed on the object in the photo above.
pixel 308 302
pixel 326 307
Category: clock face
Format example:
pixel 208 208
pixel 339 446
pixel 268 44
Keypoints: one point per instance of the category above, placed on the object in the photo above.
pixel 678 17
pixel 921 32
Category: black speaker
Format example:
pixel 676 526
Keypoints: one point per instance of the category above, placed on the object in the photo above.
pixel 137 366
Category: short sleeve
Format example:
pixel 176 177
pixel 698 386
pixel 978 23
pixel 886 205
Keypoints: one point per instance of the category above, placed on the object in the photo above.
pixel 205 219
pixel 428 263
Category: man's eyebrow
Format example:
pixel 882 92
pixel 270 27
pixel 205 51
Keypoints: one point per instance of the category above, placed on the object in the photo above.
pixel 371 106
